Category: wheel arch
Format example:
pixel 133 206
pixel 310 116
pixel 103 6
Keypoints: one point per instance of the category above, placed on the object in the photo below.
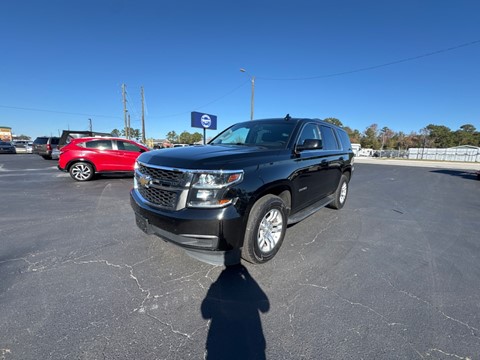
pixel 348 173
pixel 281 189
pixel 74 161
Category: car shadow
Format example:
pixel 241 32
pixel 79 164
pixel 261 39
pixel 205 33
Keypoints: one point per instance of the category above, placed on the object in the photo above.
pixel 232 305
pixel 109 176
pixel 465 174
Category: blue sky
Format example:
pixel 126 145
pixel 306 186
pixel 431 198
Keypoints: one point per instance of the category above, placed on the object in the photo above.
pixel 63 62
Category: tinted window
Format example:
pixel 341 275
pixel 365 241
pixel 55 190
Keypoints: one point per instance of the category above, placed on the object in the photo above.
pixel 128 146
pixel 309 131
pixel 99 144
pixel 329 140
pixel 41 140
pixel 54 140
pixel 344 139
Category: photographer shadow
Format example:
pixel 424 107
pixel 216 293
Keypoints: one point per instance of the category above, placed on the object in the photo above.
pixel 233 303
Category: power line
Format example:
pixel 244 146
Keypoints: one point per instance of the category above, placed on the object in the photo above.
pixel 375 66
pixel 264 78
pixel 204 105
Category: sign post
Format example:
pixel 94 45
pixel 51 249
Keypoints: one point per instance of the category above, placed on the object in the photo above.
pixel 204 121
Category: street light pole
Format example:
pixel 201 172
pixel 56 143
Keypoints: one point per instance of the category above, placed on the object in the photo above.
pixel 252 100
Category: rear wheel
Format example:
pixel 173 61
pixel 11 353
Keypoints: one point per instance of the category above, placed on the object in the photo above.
pixel 81 171
pixel 265 231
pixel 340 194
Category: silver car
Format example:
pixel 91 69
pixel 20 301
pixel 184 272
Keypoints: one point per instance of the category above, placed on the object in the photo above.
pixel 55 153
pixel 29 147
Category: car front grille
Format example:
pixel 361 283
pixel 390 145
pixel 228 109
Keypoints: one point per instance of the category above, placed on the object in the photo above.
pixel 161 198
pixel 162 187
pixel 169 177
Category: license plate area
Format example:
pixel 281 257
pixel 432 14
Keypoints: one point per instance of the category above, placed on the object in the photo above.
pixel 142 223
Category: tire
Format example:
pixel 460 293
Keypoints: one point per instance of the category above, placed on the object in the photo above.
pixel 340 194
pixel 46 157
pixel 81 171
pixel 265 230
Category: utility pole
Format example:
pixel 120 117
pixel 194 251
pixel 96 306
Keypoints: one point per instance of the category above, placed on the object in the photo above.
pixel 252 99
pixel 90 124
pixel 128 128
pixel 125 109
pixel 143 117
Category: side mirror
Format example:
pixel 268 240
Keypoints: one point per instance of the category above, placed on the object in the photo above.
pixel 310 144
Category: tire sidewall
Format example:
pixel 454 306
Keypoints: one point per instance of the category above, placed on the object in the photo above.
pixel 339 203
pixel 260 209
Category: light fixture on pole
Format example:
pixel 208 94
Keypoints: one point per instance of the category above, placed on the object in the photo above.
pixel 252 101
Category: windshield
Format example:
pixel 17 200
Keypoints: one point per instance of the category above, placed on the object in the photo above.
pixel 273 135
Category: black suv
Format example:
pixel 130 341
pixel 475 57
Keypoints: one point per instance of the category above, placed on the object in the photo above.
pixel 237 194
pixel 44 145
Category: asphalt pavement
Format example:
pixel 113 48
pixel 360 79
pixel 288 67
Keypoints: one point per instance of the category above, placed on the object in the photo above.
pixel 395 274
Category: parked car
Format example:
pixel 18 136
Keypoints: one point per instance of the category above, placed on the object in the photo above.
pixel 55 153
pixel 7 148
pixel 43 146
pixel 239 193
pixel 20 145
pixel 29 147
pixel 68 135
pixel 85 157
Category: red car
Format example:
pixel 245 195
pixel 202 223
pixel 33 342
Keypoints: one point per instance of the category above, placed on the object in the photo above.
pixel 85 157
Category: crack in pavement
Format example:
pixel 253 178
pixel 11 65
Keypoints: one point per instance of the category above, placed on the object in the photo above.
pixel 413 296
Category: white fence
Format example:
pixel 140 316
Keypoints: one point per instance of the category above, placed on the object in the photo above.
pixel 451 154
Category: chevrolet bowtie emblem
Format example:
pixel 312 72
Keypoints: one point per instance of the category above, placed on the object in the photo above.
pixel 145 181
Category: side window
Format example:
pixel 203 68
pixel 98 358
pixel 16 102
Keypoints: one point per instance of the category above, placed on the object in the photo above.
pixel 309 131
pixel 125 145
pixel 329 139
pixel 344 139
pixel 99 144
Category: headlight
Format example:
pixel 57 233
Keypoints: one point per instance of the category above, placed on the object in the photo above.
pixel 209 187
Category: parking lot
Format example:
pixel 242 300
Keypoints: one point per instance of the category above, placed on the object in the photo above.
pixel 393 275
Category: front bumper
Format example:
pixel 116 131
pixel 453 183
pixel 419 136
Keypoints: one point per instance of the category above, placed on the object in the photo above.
pixel 200 230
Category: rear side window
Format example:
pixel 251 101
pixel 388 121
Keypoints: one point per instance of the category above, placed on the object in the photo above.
pixel 99 144
pixel 127 146
pixel 41 140
pixel 329 139
pixel 345 140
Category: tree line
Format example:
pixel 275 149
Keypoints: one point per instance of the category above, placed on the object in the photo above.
pixel 373 137
pixel 431 136
pixel 183 138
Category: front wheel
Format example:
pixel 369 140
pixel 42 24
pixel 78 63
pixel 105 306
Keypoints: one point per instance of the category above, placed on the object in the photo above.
pixel 81 171
pixel 340 194
pixel 265 230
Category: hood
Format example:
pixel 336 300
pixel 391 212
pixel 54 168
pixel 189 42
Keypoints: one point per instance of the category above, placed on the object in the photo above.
pixel 211 157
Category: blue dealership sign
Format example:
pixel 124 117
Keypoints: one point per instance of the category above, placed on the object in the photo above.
pixel 204 121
